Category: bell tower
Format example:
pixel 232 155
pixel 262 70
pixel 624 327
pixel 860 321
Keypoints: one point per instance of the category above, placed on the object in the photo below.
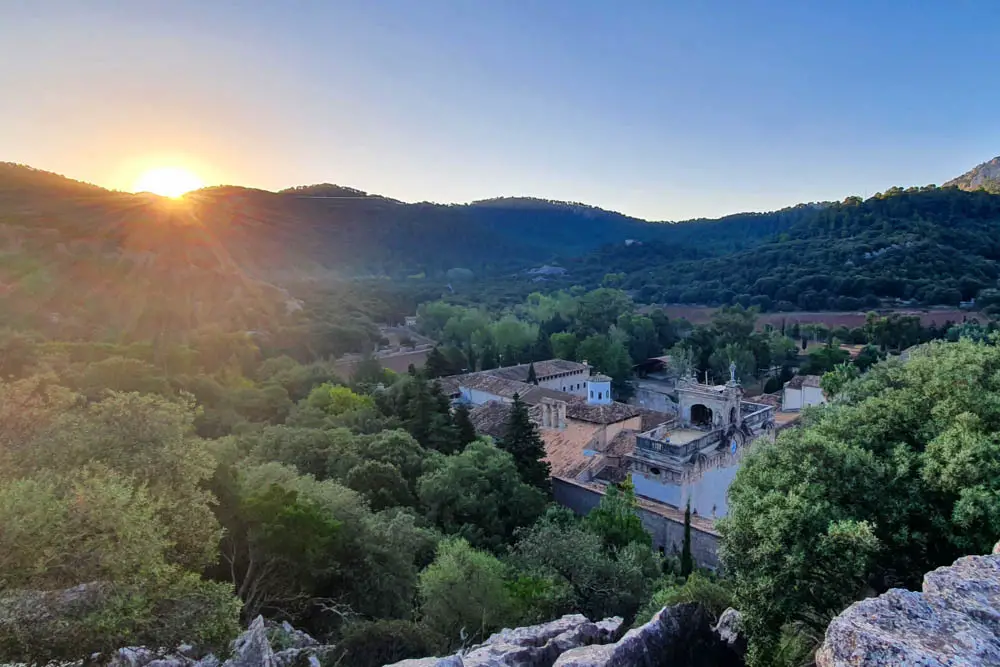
pixel 599 390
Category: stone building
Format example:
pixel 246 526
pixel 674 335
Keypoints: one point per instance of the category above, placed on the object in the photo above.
pixel 694 457
pixel 592 441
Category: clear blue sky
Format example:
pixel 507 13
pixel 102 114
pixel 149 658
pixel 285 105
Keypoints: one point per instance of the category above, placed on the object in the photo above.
pixel 664 110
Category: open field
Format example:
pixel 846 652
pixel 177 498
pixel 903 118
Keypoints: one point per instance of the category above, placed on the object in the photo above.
pixel 928 316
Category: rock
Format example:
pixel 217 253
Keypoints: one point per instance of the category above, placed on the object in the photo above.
pixel 540 645
pixel 132 656
pixel 531 646
pixel 677 636
pixel 252 648
pixel 729 630
pixel 208 661
pixel 954 621
pixel 285 636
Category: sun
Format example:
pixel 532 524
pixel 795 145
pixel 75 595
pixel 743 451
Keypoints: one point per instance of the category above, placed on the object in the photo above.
pixel 167 181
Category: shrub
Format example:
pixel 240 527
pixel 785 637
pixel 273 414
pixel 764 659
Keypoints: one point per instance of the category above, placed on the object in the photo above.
pixel 371 644
pixel 712 594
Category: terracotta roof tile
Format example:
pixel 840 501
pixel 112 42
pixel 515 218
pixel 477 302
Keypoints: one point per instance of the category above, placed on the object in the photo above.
pixel 600 414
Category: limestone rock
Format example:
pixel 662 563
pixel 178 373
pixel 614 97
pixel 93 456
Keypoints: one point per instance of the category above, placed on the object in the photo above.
pixel 954 621
pixel 252 648
pixel 729 630
pixel 531 646
pixel 540 645
pixel 677 636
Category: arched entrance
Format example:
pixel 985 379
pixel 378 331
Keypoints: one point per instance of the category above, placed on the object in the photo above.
pixel 701 415
pixel 732 416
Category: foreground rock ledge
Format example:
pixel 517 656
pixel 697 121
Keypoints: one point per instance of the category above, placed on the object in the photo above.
pixel 678 636
pixel 955 621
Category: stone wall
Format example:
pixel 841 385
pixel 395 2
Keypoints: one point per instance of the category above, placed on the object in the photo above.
pixel 955 620
pixel 667 532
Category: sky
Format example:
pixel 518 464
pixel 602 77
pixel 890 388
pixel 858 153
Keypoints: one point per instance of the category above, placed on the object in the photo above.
pixel 661 109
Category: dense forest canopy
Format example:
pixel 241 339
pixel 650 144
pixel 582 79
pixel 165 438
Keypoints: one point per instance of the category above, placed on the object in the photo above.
pixel 242 255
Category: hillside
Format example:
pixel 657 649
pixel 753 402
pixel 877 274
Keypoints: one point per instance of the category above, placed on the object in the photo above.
pixel 89 262
pixel 985 176
pixel 929 245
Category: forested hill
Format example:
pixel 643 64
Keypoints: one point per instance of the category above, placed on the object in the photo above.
pixel 81 258
pixel 931 245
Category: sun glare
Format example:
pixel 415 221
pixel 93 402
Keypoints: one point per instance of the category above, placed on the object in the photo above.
pixel 167 181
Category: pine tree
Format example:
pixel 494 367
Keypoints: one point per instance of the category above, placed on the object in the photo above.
pixel 488 357
pixel 436 365
pixel 532 377
pixel 542 347
pixel 522 440
pixel 687 563
pixel 466 431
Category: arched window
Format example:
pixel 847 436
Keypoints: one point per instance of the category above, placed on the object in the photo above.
pixel 591 393
pixel 600 396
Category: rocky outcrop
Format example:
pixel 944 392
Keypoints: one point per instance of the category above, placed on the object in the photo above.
pixel 678 636
pixel 954 621
pixel 254 648
pixel 532 646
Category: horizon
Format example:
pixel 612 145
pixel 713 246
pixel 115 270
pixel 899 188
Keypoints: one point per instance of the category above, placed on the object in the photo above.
pixel 662 114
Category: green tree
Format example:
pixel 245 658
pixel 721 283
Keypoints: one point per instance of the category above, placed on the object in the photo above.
pixel 599 309
pixel 97 525
pixel 868 357
pixel 616 520
pixel 532 377
pixel 563 345
pixel 522 440
pixel 386 641
pixel 150 438
pixel 463 596
pixel 582 574
pixel 436 365
pixel 381 484
pixel 464 426
pixel 712 594
pixel 835 380
pixel 479 495
pixel 891 480
pixel 687 562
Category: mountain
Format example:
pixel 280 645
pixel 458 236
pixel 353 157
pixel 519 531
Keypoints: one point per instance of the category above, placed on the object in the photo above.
pixel 985 176
pixel 931 246
pixel 93 263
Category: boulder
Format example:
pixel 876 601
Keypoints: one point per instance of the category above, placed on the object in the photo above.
pixel 540 645
pixel 954 621
pixel 729 630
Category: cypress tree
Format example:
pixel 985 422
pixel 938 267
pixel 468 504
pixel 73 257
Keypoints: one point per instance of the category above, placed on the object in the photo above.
pixel 532 378
pixel 436 365
pixel 687 562
pixel 522 440
pixel 466 431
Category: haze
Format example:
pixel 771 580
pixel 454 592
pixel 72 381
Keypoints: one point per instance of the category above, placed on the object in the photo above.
pixel 659 111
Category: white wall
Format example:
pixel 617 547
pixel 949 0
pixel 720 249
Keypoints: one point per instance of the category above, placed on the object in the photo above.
pixel 575 384
pixel 796 399
pixel 791 399
pixel 813 396
pixel 478 397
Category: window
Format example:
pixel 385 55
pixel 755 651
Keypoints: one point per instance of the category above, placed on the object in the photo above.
pixel 591 393
pixel 564 388
pixel 600 396
pixel 654 471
